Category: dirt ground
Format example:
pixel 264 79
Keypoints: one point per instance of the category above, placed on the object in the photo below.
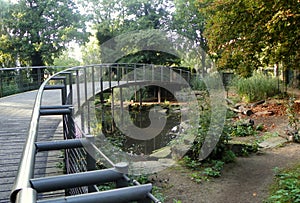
pixel 247 180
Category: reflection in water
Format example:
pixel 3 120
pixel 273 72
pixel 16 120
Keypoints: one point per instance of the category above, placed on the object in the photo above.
pixel 140 118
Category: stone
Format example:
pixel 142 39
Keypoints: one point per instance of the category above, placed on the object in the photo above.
pixel 272 142
pixel 178 151
pixel 162 153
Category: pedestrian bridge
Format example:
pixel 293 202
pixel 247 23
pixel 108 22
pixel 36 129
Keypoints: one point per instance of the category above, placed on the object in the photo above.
pixel 57 163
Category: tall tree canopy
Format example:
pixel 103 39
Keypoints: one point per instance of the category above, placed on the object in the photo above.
pixel 246 34
pixel 190 23
pixel 114 18
pixel 37 31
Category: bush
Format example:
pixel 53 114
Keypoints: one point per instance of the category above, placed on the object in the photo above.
pixel 9 89
pixel 256 88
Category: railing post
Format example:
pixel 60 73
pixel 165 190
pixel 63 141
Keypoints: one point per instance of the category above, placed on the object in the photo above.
pixel 21 86
pixel 144 72
pixel 90 160
pixel 109 77
pixel 121 99
pixel 161 74
pixel 101 85
pixel 134 72
pixel 93 81
pixel 70 88
pixel 112 102
pixel 140 97
pixel 64 93
pixel 39 75
pixel 71 124
pixel 152 72
pixel 85 85
pixel 123 73
pixel 78 89
pixel 122 167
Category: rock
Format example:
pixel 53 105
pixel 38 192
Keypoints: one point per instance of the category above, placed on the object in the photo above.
pixel 150 167
pixel 178 151
pixel 162 153
pixel 272 142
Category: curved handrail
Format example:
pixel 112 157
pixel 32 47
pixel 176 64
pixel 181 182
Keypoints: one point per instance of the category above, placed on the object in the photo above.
pixel 26 166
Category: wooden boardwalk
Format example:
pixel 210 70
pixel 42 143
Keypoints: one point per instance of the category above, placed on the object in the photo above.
pixel 15 115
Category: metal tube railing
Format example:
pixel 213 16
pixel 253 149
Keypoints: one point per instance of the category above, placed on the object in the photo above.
pixel 21 79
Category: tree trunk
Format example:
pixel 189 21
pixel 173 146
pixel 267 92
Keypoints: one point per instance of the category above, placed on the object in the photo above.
pixel 37 73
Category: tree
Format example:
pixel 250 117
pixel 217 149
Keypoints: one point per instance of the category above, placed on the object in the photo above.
pixel 65 60
pixel 244 35
pixel 190 23
pixel 6 58
pixel 38 30
pixel 91 52
pixel 114 18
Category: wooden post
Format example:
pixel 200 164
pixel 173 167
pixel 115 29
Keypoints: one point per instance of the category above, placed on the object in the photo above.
pixel 159 95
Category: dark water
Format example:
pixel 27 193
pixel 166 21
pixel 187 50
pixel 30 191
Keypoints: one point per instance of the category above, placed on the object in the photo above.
pixel 140 118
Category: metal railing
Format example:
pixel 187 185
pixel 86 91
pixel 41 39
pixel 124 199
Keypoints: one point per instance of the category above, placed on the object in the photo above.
pixel 21 79
pixel 77 86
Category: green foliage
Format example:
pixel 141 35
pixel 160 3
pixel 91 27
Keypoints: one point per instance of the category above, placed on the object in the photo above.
pixel 256 87
pixel 9 89
pixel 214 170
pixel 242 131
pixel 190 163
pixel 158 193
pixel 37 31
pixel 135 19
pixel 244 35
pixel 107 186
pixel 91 52
pixel 228 156
pixel 65 60
pixel 190 23
pixel 198 84
pixel 287 187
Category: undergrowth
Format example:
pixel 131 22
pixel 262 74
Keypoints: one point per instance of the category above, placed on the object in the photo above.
pixel 287 186
pixel 256 88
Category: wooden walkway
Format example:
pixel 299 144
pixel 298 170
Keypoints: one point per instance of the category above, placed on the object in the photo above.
pixel 15 115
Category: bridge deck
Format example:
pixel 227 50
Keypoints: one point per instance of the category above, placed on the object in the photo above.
pixel 15 114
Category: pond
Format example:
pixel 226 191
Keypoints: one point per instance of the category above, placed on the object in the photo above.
pixel 139 116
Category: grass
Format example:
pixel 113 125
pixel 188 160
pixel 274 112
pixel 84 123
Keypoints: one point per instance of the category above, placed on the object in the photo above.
pixel 255 88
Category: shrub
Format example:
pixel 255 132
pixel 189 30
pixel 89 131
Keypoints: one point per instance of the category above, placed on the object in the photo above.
pixel 256 88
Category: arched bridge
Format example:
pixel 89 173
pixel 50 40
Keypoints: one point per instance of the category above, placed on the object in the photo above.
pixel 63 96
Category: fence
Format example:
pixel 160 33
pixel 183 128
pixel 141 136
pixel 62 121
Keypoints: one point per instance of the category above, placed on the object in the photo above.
pixel 21 79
